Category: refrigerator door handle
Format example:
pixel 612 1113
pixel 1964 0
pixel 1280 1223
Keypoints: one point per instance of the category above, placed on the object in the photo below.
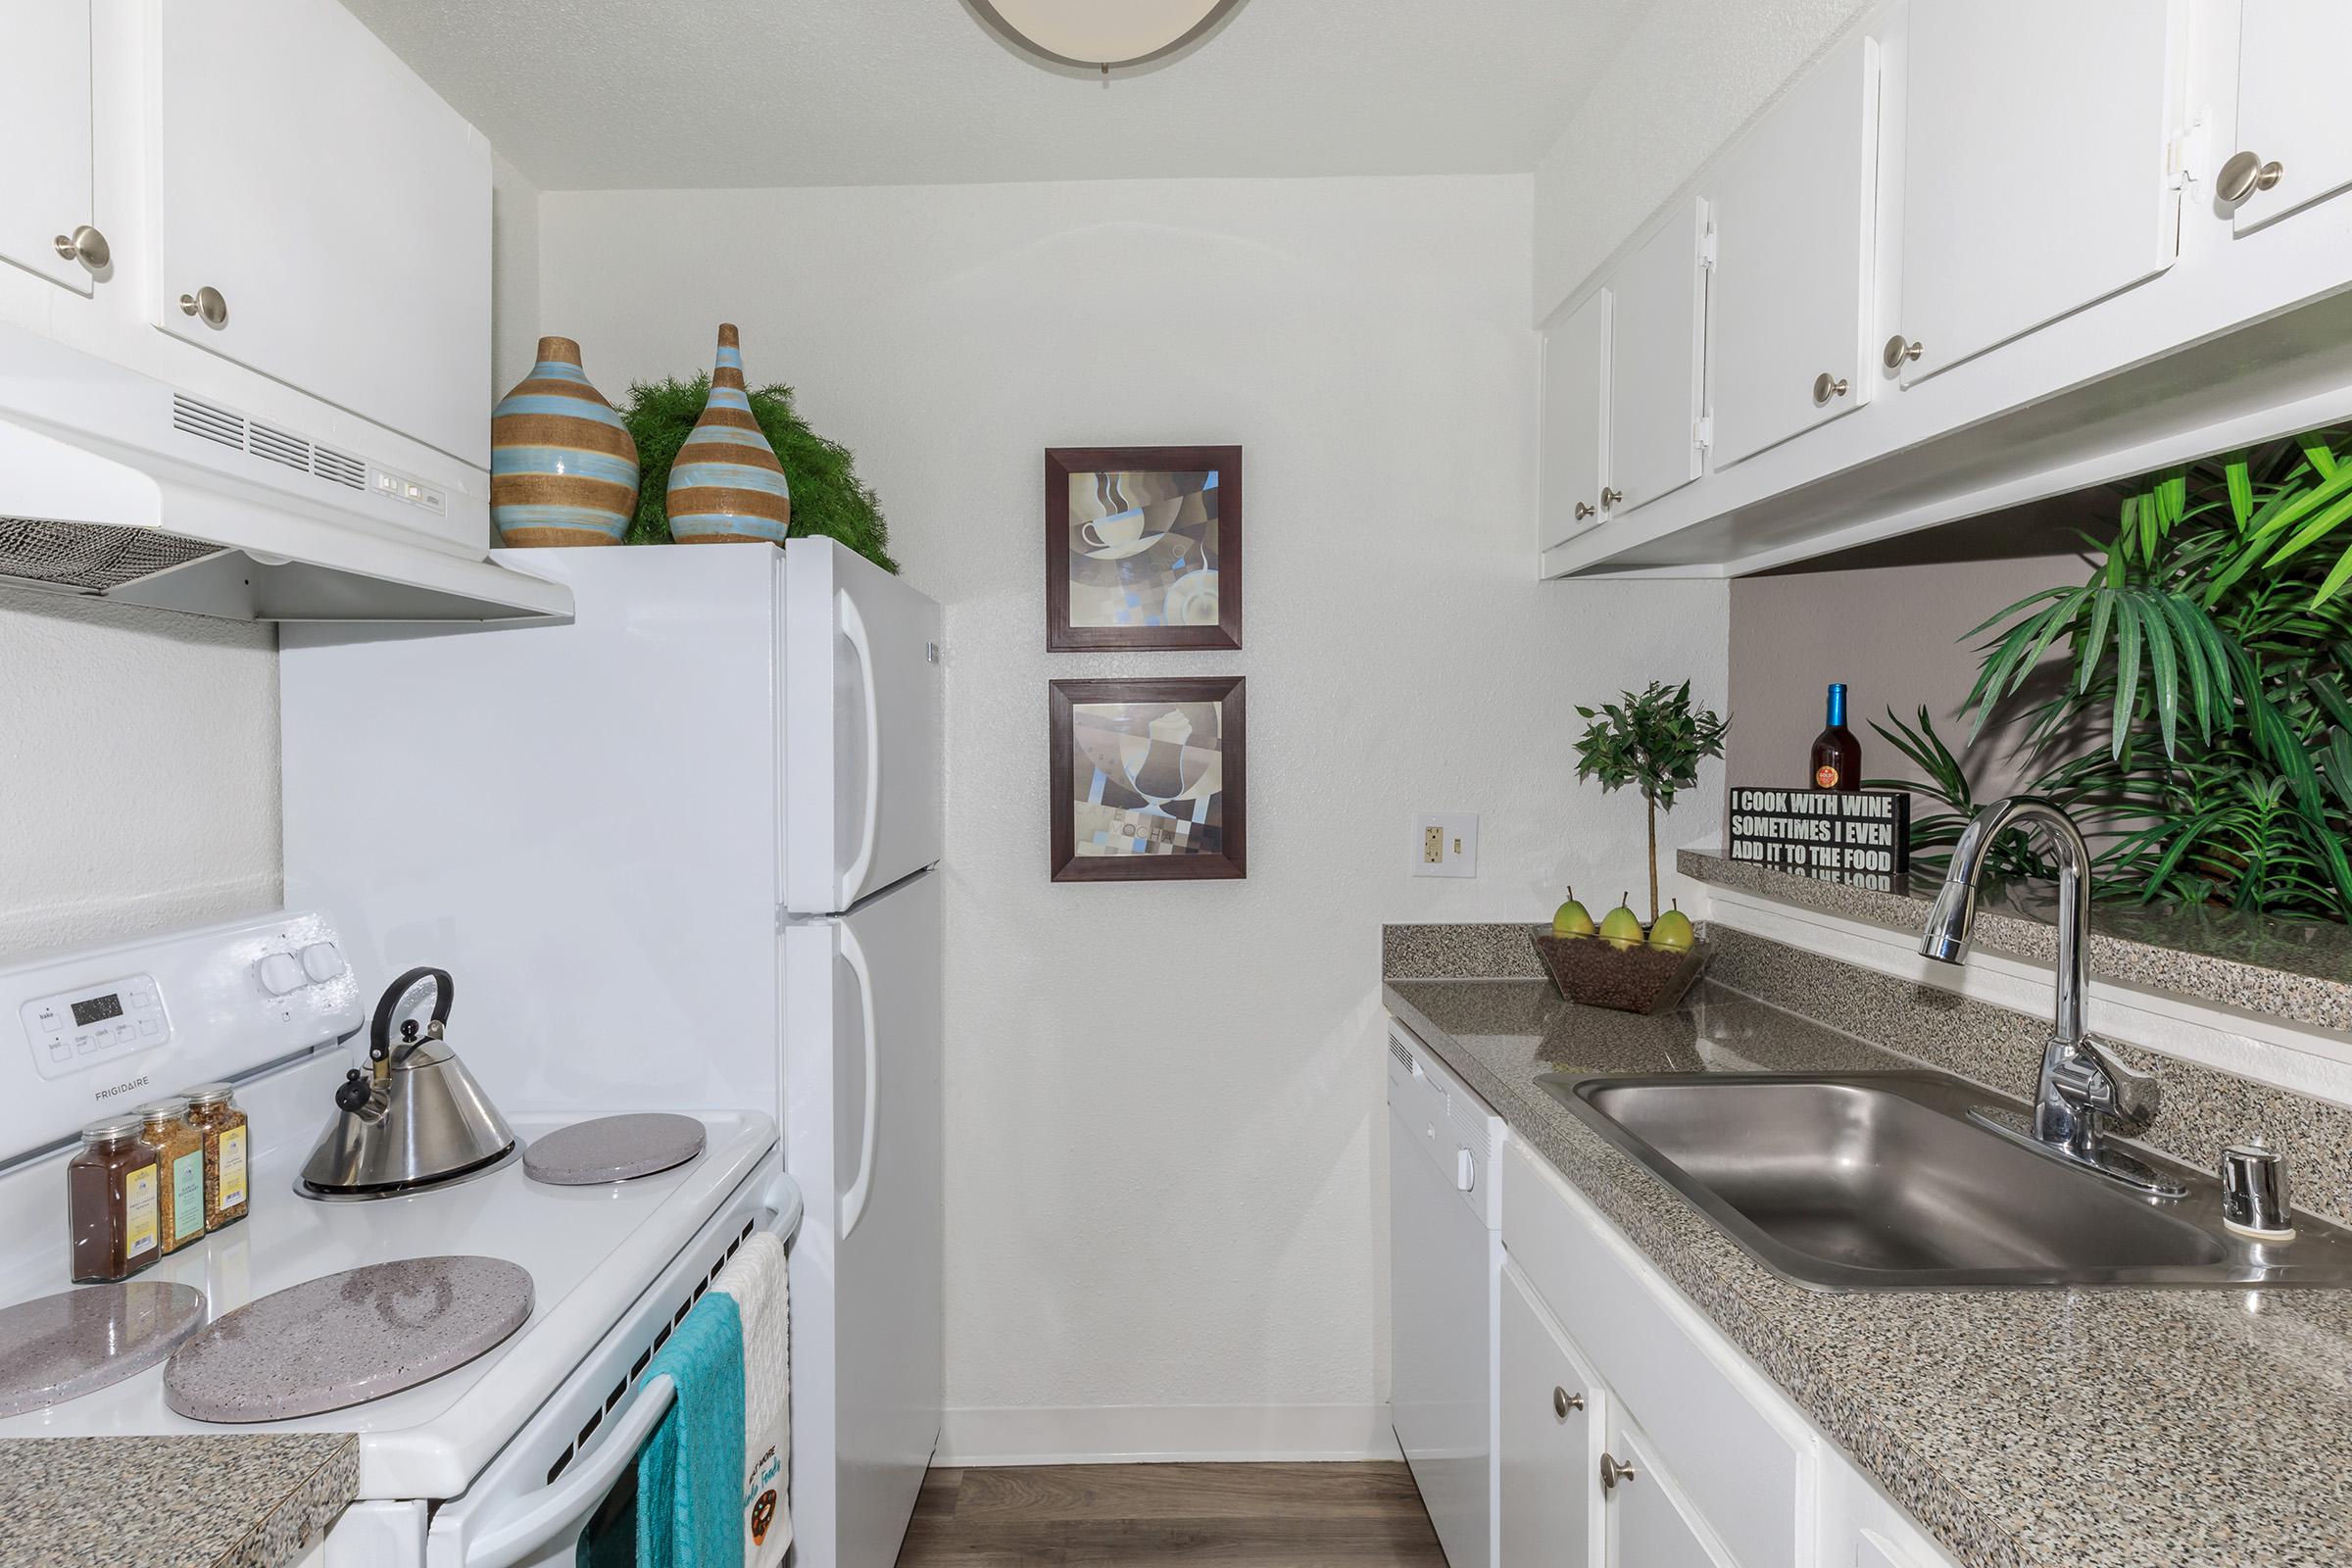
pixel 853 1201
pixel 852 626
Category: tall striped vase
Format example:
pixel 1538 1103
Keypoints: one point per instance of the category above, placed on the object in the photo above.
pixel 562 467
pixel 727 486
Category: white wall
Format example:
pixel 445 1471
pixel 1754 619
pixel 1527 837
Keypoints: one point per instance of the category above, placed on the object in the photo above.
pixel 1166 1123
pixel 513 274
pixel 139 770
pixel 1691 75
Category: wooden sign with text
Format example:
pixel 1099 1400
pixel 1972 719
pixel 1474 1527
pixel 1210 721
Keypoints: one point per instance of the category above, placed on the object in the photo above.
pixel 1858 836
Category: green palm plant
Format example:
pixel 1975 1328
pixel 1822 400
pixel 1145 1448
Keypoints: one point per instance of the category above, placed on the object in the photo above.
pixel 2211 646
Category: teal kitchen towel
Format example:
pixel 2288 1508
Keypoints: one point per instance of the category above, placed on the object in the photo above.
pixel 690 1472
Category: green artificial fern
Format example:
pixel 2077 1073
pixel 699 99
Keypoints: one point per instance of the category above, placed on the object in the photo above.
pixel 828 501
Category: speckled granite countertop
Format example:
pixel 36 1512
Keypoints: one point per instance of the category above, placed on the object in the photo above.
pixel 229 1502
pixel 2300 971
pixel 2026 1429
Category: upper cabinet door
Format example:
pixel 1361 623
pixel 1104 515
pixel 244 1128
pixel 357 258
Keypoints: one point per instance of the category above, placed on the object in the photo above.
pixel 2294 113
pixel 1656 355
pixel 1576 420
pixel 2035 179
pixel 325 218
pixel 45 185
pixel 1788 305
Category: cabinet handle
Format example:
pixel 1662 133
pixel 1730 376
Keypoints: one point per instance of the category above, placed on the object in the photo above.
pixel 1584 509
pixel 1826 386
pixel 207 304
pixel 87 246
pixel 1562 1401
pixel 1899 349
pixel 2245 175
pixel 1610 498
pixel 1614 1470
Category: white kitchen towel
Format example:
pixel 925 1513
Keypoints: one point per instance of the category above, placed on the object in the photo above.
pixel 756 1278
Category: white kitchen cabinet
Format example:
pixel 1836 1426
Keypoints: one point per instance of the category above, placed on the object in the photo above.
pixel 46 188
pixel 1651 1524
pixel 2036 166
pixel 1575 421
pixel 322 216
pixel 1551 1414
pixel 2294 116
pixel 1789 302
pixel 1657 346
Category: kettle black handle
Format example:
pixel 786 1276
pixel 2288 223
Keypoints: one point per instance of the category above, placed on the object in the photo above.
pixel 379 1033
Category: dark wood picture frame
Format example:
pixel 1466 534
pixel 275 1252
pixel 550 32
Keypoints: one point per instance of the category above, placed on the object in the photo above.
pixel 1231 692
pixel 1062 461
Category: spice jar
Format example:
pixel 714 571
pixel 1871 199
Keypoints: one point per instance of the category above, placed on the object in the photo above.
pixel 111 1201
pixel 181 1208
pixel 213 1109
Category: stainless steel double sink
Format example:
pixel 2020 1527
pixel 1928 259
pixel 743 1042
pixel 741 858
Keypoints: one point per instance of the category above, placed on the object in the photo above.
pixel 1883 1181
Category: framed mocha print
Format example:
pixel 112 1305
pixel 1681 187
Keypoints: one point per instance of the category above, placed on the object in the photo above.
pixel 1149 779
pixel 1142 548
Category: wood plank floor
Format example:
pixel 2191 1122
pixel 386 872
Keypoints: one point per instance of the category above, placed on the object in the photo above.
pixel 1267 1515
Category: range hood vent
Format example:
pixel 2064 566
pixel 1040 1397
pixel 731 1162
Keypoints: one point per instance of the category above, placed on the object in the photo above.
pixel 113 483
pixel 93 556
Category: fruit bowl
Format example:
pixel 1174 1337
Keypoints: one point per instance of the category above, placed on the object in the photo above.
pixel 1634 978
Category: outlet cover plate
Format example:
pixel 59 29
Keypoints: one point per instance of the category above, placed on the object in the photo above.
pixel 1457 844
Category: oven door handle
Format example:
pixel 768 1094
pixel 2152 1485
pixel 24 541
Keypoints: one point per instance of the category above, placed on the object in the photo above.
pixel 538 1516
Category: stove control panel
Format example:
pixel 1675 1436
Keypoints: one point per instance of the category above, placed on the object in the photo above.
pixel 74 1029
pixel 120 1026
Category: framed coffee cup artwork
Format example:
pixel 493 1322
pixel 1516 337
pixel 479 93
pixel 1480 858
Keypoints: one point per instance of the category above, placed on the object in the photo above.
pixel 1142 548
pixel 1150 779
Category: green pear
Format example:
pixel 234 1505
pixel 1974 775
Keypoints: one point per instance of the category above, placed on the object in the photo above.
pixel 1672 931
pixel 1571 919
pixel 1621 927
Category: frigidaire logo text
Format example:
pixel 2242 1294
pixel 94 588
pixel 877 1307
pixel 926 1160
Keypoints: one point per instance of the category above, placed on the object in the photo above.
pixel 140 1082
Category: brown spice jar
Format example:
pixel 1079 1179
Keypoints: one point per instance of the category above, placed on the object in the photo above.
pixel 111 1203
pixel 182 1211
pixel 228 1196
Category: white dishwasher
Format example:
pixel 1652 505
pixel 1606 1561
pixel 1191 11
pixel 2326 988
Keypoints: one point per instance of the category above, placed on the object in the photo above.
pixel 1445 1279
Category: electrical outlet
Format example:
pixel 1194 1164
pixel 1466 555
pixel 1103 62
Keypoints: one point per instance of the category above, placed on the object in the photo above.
pixel 1446 844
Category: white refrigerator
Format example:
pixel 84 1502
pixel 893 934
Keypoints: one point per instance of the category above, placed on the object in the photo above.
pixel 683 848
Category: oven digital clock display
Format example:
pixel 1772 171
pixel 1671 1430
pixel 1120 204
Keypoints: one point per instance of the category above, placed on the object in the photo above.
pixel 97 1009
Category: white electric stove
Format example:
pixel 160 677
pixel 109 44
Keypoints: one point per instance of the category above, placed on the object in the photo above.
pixel 501 1460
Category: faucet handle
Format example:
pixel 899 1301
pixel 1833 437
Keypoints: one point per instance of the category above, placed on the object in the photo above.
pixel 2093 1082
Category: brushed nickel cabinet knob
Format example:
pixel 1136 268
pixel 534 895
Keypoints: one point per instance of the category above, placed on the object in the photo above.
pixel 2245 175
pixel 1899 349
pixel 1614 1470
pixel 87 246
pixel 1610 498
pixel 208 305
pixel 1826 386
pixel 1562 1401
pixel 1584 509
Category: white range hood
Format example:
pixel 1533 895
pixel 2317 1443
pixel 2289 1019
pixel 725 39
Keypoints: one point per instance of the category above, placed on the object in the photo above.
pixel 115 484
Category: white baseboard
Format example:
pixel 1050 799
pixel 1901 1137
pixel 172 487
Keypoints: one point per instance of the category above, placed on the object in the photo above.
pixel 1164 1433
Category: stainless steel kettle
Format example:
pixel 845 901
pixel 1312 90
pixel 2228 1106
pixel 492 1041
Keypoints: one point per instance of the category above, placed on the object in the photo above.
pixel 416 1118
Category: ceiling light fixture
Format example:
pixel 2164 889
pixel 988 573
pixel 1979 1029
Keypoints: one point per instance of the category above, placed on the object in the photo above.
pixel 1098 35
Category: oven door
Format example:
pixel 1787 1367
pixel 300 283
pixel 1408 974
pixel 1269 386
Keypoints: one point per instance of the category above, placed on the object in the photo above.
pixel 571 1476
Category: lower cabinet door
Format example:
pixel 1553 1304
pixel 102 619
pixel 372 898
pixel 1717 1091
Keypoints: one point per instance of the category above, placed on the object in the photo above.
pixel 1549 1419
pixel 1650 1525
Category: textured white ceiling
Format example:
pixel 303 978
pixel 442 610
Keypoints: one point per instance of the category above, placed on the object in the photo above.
pixel 621 94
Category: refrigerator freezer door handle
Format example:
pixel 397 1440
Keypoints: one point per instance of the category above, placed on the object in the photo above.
pixel 853 1201
pixel 852 626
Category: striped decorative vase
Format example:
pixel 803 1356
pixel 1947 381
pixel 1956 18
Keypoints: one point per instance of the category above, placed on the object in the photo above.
pixel 727 486
pixel 562 467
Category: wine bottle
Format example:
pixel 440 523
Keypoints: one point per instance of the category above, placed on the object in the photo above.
pixel 1836 755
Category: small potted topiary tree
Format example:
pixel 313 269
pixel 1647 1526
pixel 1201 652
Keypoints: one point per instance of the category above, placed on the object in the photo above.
pixel 1654 741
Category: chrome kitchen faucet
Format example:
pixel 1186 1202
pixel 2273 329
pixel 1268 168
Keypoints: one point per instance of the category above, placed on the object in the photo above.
pixel 2084 1092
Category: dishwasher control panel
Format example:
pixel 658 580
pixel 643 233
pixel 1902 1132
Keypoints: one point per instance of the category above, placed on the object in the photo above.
pixel 1454 1126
